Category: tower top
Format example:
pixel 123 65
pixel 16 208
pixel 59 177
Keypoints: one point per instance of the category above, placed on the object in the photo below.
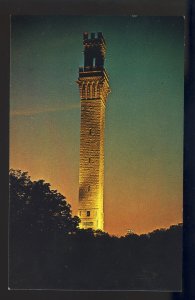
pixel 93 79
pixel 94 50
pixel 93 39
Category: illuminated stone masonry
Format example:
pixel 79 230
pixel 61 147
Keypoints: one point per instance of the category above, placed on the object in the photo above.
pixel 94 88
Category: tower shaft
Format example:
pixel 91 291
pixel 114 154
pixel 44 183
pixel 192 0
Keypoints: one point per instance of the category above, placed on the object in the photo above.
pixel 94 88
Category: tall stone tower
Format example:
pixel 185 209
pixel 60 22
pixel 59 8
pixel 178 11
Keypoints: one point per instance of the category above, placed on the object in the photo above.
pixel 94 88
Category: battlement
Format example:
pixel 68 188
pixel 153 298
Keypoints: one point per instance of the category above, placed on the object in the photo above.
pixel 93 38
pixel 94 50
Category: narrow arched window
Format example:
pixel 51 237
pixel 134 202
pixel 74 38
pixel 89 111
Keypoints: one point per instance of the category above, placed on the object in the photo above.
pixel 94 61
pixel 93 90
pixel 98 90
pixel 83 90
pixel 88 91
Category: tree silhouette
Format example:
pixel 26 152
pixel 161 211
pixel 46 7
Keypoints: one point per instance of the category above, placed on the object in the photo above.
pixel 48 250
pixel 35 208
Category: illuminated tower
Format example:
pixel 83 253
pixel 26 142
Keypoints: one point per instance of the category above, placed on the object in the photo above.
pixel 94 88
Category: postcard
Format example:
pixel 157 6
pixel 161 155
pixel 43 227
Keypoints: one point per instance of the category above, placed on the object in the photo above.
pixel 96 153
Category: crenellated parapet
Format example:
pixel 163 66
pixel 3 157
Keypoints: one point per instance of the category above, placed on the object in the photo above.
pixel 94 49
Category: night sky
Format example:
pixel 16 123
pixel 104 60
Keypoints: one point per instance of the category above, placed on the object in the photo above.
pixel 144 114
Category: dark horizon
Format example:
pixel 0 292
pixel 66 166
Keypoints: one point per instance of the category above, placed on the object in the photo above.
pixel 47 249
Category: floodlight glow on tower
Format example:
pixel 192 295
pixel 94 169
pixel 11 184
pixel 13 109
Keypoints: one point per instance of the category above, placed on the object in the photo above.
pixel 94 88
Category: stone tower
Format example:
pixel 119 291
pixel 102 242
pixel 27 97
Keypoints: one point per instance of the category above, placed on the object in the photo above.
pixel 94 88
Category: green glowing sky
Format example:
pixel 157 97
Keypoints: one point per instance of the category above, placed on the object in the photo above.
pixel 144 114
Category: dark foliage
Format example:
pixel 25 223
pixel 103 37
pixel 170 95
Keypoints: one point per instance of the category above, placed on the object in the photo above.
pixel 47 250
pixel 35 208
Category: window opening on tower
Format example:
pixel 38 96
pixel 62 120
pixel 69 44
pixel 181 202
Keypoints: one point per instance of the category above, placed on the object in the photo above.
pixel 94 61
